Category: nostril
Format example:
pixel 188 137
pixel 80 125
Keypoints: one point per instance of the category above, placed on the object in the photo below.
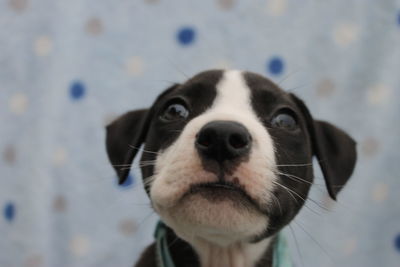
pixel 223 140
pixel 238 141
pixel 204 139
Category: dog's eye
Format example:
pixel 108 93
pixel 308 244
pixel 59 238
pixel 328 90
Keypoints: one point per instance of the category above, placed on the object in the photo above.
pixel 285 121
pixel 175 112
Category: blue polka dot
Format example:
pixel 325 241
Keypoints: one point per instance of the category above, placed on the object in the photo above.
pixel 186 36
pixel 129 182
pixel 9 211
pixel 275 65
pixel 398 18
pixel 397 242
pixel 77 90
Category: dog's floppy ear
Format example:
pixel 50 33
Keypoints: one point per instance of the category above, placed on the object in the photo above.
pixel 126 134
pixel 124 137
pixel 334 149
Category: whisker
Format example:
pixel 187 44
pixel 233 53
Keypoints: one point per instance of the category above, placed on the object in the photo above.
pixel 287 76
pixel 298 195
pixel 144 150
pixel 287 189
pixel 297 87
pixel 169 82
pixel 310 236
pixel 149 180
pixel 275 198
pixel 127 167
pixel 141 164
pixel 178 69
pixel 147 161
pixel 294 165
pixel 294 177
pixel 298 179
pixel 130 166
pixel 122 165
pixel 152 212
pixel 173 242
pixel 297 245
pixel 318 204
pixel 135 168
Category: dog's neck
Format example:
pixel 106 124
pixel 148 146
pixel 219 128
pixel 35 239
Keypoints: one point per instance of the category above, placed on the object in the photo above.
pixel 205 254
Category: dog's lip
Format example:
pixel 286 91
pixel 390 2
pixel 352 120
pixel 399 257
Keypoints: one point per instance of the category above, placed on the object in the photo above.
pixel 217 185
pixel 222 186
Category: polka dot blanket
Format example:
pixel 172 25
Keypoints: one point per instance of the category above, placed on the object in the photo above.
pixel 69 67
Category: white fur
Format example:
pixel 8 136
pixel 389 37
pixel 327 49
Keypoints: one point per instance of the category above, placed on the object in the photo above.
pixel 219 226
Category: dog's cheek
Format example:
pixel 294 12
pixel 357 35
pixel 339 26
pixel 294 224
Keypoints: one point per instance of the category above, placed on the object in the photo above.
pixel 176 169
pixel 258 179
pixel 166 185
pixel 259 170
pixel 295 170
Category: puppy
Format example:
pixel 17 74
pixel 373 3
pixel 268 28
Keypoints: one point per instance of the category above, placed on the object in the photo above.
pixel 227 163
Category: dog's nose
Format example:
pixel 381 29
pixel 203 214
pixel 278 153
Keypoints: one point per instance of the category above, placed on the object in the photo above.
pixel 223 140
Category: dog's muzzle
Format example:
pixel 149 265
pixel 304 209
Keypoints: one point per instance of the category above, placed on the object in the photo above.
pixel 223 141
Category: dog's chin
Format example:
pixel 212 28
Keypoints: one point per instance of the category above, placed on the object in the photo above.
pixel 217 214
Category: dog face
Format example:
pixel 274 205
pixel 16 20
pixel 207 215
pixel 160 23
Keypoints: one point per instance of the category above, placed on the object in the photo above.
pixel 227 156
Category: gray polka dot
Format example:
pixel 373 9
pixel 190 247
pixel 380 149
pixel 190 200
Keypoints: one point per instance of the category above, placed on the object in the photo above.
pixel 346 33
pixel 325 88
pixel 18 5
pixel 9 154
pixel 34 261
pixel 43 45
pixel 370 147
pixel 134 66
pixel 127 227
pixel 226 4
pixel 380 192
pixel 378 94
pixel 59 204
pixel 18 103
pixel 94 26
pixel 350 246
pixel 79 245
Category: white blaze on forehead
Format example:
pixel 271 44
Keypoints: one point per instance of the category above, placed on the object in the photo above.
pixel 232 93
pixel 233 102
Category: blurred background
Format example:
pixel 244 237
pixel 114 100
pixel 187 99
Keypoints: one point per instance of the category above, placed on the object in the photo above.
pixel 67 68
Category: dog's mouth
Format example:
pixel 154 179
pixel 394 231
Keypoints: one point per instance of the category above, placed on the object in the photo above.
pixel 223 191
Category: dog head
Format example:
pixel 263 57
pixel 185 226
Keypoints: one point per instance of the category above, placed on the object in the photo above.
pixel 228 155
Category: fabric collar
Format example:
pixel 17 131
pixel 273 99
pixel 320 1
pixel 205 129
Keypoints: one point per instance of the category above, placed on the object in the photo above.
pixel 280 258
